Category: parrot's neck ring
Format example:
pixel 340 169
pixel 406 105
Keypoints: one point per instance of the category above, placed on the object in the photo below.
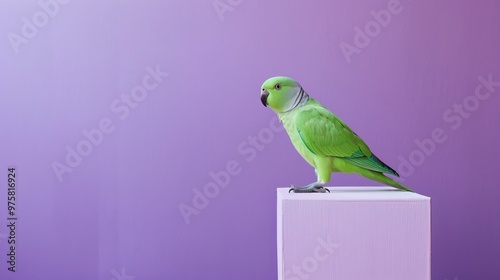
pixel 302 97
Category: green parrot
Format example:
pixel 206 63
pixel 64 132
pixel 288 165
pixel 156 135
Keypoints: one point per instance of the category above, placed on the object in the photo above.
pixel 321 138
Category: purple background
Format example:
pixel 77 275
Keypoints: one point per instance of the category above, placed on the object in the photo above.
pixel 119 208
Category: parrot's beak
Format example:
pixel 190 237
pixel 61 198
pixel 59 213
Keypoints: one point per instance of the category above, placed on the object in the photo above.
pixel 263 96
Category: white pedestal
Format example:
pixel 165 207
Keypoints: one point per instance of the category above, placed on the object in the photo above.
pixel 354 233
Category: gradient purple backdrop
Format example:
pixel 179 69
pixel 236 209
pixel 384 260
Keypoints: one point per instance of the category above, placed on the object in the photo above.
pixel 117 213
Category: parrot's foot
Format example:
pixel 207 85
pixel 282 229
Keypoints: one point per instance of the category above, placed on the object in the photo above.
pixel 311 188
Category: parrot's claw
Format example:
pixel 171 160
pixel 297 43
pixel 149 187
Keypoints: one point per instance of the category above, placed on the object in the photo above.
pixel 311 188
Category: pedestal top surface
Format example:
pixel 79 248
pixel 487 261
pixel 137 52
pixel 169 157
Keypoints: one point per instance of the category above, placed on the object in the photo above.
pixel 354 193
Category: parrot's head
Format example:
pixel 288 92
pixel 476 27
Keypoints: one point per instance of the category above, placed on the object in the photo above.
pixel 282 94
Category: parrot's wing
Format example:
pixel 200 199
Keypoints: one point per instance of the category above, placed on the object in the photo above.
pixel 324 134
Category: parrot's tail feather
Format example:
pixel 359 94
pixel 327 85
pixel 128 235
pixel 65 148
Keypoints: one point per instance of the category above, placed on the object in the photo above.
pixel 397 185
pixel 389 169
pixel 379 177
pixel 343 165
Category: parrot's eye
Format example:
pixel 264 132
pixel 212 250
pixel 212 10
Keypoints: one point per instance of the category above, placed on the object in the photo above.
pixel 277 86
